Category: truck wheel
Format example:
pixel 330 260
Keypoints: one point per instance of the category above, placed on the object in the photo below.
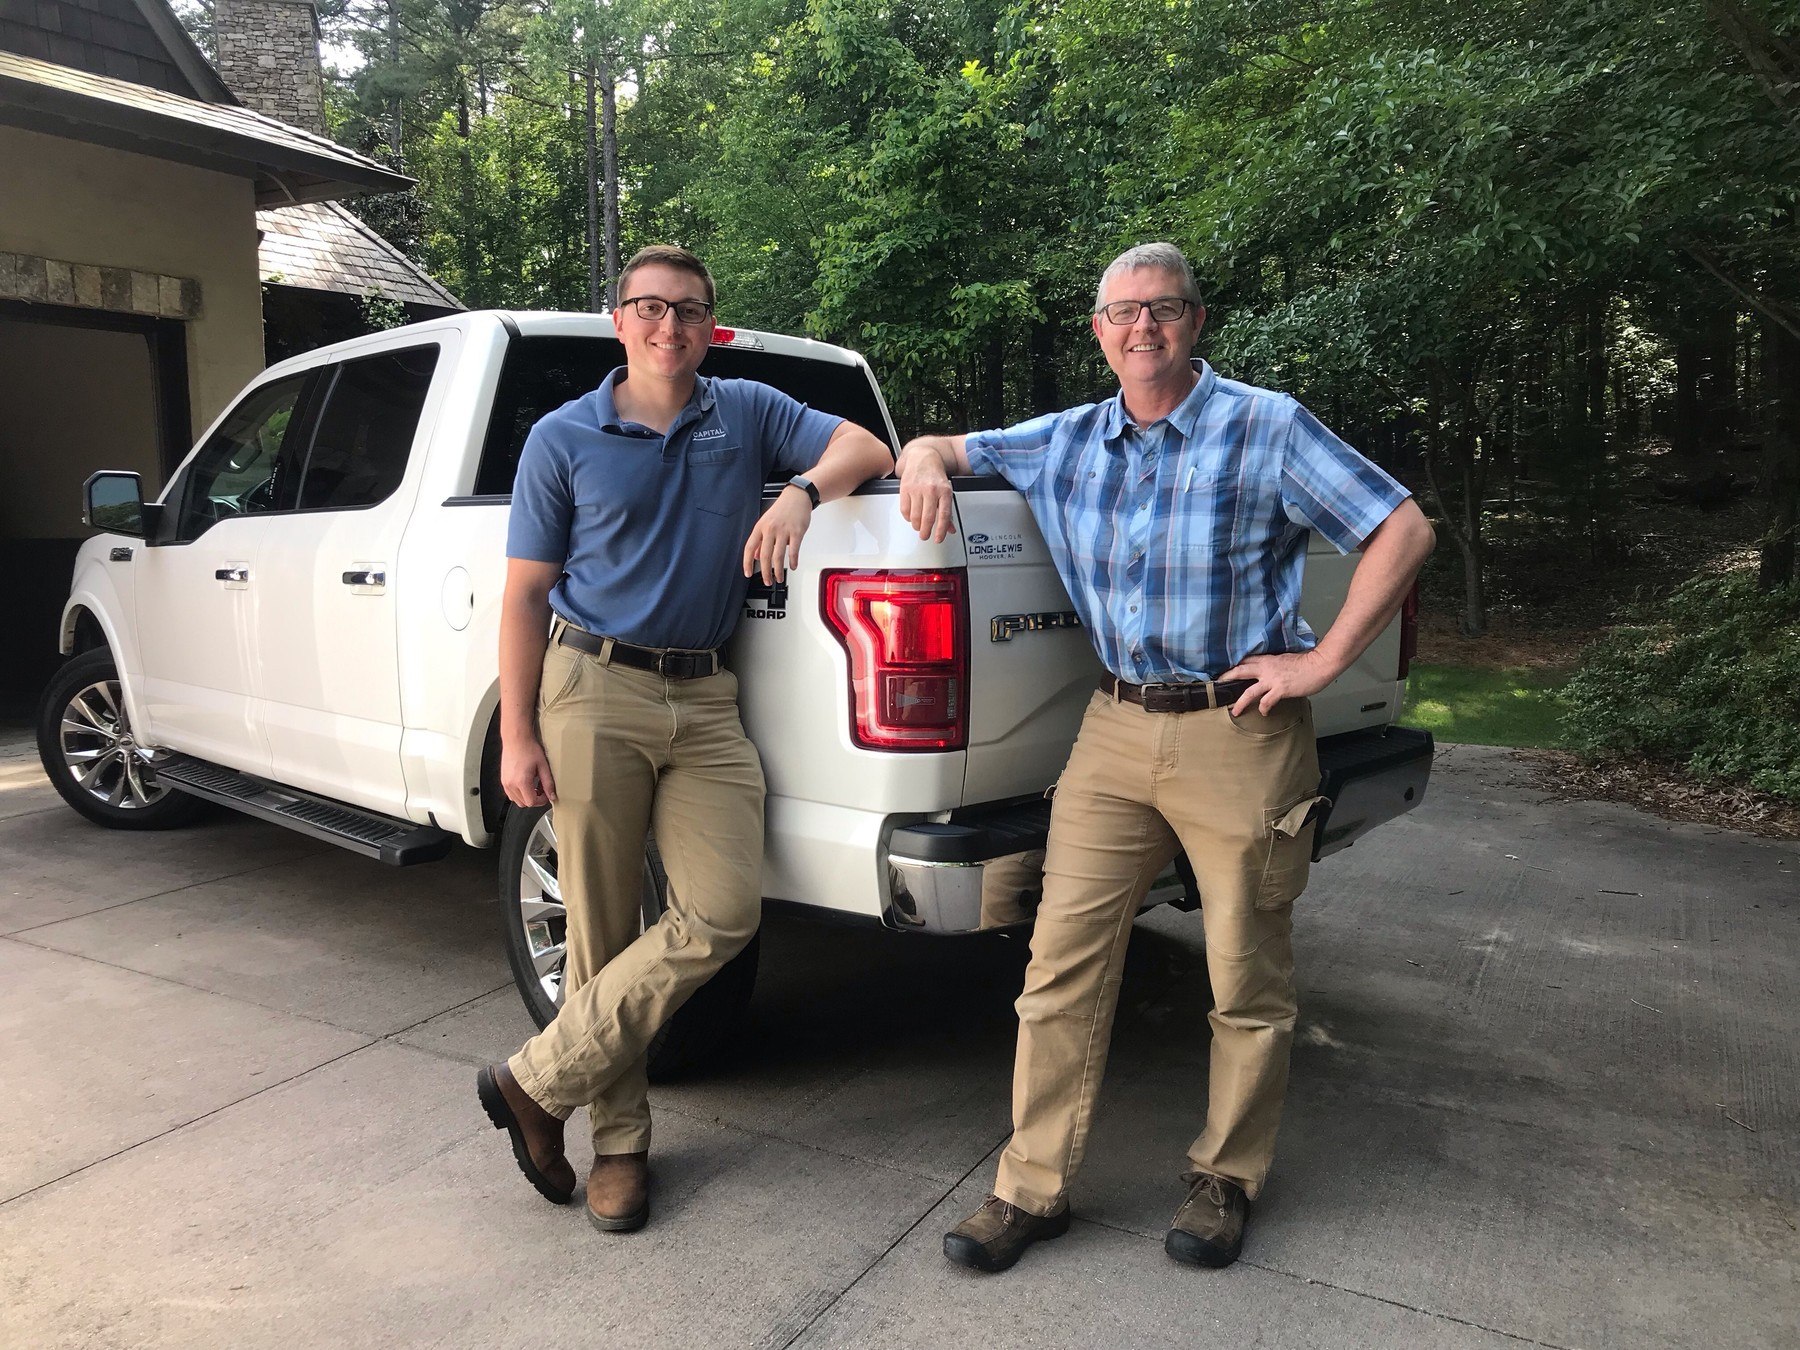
pixel 532 914
pixel 87 748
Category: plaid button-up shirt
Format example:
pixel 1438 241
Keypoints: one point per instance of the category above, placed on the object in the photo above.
pixel 1182 544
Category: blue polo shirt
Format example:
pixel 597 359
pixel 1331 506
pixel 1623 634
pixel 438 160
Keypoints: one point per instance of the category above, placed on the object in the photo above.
pixel 650 529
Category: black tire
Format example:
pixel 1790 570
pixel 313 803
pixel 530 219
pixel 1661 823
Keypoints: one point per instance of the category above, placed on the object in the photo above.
pixel 86 745
pixel 701 1030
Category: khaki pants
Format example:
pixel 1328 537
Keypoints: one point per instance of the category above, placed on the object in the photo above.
pixel 633 754
pixel 1235 794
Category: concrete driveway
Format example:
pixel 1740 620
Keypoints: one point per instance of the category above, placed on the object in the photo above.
pixel 1545 1091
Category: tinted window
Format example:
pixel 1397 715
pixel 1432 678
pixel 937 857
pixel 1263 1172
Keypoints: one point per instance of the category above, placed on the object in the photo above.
pixel 365 429
pixel 543 373
pixel 250 464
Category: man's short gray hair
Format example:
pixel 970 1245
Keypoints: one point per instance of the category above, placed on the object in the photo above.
pixel 1164 256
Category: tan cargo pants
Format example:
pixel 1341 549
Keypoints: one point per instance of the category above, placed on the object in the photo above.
pixel 633 753
pixel 1235 794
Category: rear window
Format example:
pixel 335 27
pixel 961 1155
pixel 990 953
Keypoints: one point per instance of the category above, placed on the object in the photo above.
pixel 543 373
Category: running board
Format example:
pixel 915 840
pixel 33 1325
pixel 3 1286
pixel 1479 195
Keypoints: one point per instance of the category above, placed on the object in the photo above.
pixel 399 843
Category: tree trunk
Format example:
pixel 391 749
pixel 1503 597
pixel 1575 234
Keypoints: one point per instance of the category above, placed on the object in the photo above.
pixel 595 291
pixel 473 289
pixel 609 137
pixel 1596 363
pixel 1462 519
pixel 1781 456
pixel 1044 393
pixel 993 383
pixel 393 53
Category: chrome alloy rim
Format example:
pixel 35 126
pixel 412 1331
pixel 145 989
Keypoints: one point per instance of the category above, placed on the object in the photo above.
pixel 541 909
pixel 101 754
pixel 543 915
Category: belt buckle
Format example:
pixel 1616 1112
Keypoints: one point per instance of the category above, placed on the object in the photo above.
pixel 1165 697
pixel 673 665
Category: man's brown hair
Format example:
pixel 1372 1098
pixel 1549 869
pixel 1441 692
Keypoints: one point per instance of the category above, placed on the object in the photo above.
pixel 667 255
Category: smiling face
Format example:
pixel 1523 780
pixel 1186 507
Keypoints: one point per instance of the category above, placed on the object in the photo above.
pixel 666 349
pixel 1148 353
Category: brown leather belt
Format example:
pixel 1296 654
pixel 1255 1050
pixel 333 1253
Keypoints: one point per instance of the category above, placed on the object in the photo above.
pixel 672 663
pixel 1177 698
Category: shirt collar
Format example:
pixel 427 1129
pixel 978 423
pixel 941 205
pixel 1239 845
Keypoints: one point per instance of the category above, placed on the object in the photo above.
pixel 607 411
pixel 1185 416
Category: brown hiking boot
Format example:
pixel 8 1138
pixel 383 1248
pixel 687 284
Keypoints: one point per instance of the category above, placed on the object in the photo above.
pixel 1209 1226
pixel 537 1136
pixel 618 1192
pixel 997 1234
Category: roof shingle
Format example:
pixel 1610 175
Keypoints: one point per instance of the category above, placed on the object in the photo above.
pixel 323 247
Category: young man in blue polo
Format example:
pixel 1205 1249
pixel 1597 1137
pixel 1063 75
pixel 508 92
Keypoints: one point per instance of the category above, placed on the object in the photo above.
pixel 635 526
pixel 1177 514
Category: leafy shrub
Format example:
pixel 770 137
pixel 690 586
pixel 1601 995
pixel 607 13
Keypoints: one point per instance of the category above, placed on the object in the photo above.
pixel 1708 680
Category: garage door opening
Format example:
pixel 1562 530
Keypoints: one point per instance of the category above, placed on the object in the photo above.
pixel 80 390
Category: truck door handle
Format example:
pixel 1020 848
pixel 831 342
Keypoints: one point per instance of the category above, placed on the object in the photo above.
pixel 370 576
pixel 232 574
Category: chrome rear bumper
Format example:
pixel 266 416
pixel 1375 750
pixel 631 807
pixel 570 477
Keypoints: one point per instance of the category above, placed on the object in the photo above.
pixel 984 868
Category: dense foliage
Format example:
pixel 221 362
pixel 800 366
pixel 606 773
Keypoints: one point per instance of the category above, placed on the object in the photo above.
pixel 1516 250
pixel 1709 682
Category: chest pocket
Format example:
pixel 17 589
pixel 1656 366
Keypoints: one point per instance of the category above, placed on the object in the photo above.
pixel 715 478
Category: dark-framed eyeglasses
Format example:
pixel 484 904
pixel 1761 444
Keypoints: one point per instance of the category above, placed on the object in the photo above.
pixel 652 307
pixel 1164 309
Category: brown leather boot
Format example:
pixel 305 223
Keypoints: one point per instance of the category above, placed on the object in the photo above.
pixel 618 1192
pixel 997 1234
pixel 1209 1226
pixel 537 1136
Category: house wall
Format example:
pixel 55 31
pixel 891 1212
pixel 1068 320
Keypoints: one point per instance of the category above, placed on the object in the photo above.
pixel 89 204
pixel 84 231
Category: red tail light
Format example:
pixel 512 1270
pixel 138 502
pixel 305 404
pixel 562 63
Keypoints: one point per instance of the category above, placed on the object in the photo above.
pixel 1409 631
pixel 907 637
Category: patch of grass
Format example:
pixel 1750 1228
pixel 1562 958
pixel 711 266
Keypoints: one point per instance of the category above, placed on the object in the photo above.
pixel 1515 706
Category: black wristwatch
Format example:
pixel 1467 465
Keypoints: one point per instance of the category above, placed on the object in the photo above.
pixel 805 485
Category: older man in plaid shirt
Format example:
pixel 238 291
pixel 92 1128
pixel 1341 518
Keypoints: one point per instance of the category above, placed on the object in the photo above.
pixel 1177 514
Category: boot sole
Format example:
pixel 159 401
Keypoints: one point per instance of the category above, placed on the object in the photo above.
pixel 493 1101
pixel 962 1250
pixel 1193 1251
pixel 630 1223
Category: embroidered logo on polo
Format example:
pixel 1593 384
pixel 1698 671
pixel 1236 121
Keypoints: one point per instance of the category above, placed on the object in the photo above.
pixel 710 434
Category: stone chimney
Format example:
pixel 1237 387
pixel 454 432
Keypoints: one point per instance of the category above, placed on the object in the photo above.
pixel 269 56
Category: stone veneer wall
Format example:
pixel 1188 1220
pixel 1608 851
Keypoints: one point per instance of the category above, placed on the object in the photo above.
pixel 269 56
pixel 123 290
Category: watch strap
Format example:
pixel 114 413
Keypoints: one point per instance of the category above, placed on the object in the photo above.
pixel 805 484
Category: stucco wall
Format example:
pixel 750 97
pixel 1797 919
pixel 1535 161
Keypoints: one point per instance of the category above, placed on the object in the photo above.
pixel 88 204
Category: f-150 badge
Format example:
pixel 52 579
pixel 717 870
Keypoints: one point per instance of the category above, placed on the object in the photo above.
pixel 1002 626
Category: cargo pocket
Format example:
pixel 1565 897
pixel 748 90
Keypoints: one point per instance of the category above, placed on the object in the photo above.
pixel 1289 855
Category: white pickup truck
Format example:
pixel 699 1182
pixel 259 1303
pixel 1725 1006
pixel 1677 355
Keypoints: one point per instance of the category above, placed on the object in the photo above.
pixel 303 627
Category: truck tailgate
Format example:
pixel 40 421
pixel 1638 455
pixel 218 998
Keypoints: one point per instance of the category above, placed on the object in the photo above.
pixel 1031 670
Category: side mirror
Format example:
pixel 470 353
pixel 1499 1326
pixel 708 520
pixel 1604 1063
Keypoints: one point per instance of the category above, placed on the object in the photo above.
pixel 114 501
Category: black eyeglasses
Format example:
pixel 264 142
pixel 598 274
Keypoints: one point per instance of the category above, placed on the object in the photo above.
pixel 652 308
pixel 1164 309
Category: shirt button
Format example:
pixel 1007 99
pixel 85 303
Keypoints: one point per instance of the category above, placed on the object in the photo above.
pixel 1134 609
